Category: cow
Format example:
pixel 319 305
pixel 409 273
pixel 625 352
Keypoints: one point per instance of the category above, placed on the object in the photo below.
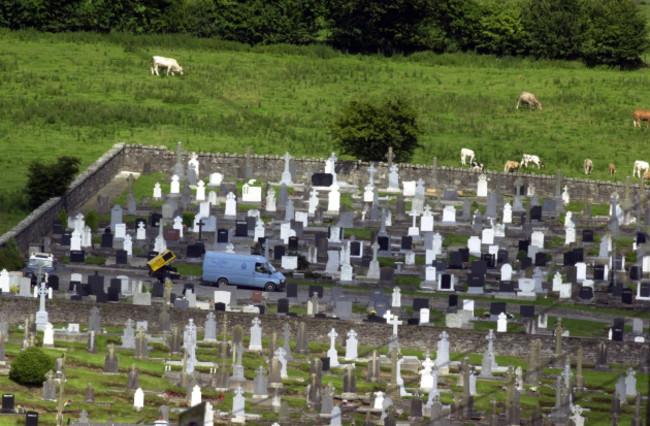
pixel 511 166
pixel 529 99
pixel 612 169
pixel 162 62
pixel 640 115
pixel 476 167
pixel 639 168
pixel 466 153
pixel 646 176
pixel 589 166
pixel 527 159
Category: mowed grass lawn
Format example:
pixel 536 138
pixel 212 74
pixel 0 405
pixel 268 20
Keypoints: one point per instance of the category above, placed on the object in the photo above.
pixel 78 94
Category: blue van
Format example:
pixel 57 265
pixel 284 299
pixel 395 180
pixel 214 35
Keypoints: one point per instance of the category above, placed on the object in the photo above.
pixel 241 269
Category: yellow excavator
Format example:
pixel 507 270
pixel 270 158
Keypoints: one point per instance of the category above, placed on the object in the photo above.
pixel 160 268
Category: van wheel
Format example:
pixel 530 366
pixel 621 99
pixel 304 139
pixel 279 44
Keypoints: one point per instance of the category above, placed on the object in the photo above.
pixel 222 282
pixel 269 287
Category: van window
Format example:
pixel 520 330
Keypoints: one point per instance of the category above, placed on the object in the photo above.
pixel 260 267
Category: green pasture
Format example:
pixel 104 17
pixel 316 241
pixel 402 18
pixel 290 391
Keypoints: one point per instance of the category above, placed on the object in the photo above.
pixel 78 94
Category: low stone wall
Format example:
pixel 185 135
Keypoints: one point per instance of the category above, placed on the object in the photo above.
pixel 160 159
pixel 374 335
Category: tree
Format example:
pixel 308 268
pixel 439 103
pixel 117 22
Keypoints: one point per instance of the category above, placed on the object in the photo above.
pixel 45 181
pixel 29 367
pixel 365 129
pixel 371 26
pixel 11 258
pixel 615 33
pixel 554 28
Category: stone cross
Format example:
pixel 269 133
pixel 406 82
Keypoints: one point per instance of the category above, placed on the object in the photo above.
pixel 491 338
pixel 42 291
pixel 371 171
pixel 332 335
pixel 394 320
pixel 390 156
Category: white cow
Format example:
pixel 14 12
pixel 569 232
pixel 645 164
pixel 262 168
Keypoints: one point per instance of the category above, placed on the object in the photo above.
pixel 527 159
pixel 162 62
pixel 466 153
pixel 640 167
pixel 589 166
pixel 528 99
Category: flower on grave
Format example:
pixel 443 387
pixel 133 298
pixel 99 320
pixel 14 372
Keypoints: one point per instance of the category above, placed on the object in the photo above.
pixel 67 403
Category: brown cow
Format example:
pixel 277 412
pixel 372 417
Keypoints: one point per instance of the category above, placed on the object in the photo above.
pixel 646 176
pixel 511 166
pixel 641 115
pixel 612 169
pixel 529 99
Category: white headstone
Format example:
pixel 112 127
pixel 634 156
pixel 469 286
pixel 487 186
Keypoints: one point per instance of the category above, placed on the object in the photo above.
pixel 502 323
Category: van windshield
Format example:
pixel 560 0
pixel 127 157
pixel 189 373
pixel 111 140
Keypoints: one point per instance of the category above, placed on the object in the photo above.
pixel 269 267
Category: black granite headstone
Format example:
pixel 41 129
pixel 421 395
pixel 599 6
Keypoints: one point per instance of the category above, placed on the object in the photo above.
pixel 586 293
pixel 627 296
pixel 523 245
pixel 325 363
pixel 502 256
pixel 587 236
pixel 293 243
pixel 526 262
pixel 440 265
pixel 599 272
pixel 536 213
pixel 53 281
pixel 453 300
pixel 115 283
pixel 384 243
pixel 292 290
pixel 645 289
pixel 322 179
pixel 154 219
pixel 121 257
pixel 526 311
pixel 488 259
pixel 188 286
pixel 318 289
pixel 464 254
pixel 241 228
pixel 77 256
pixel 31 418
pixel 455 260
pixel 83 290
pixel 445 282
pixel 420 303
pixel 497 307
pixel 158 289
pixel 57 228
pixel 101 297
pixel 355 248
pixel 407 242
pixel 506 287
pixel 113 294
pixel 413 321
pixel 222 235
pixel 640 238
pixel 65 238
pixel 569 259
pixel 183 304
pixel 195 251
pixel 540 259
pixel 278 252
pixel 475 280
pixel 479 267
pixel 8 400
pixel 95 283
pixel 636 273
pixel 579 254
pixel 283 306
pixel 220 307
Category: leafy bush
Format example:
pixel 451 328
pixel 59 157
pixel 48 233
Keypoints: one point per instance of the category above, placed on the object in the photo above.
pixel 30 366
pixel 91 220
pixel 10 257
pixel 366 129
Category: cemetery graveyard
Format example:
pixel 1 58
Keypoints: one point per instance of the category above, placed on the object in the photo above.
pixel 407 302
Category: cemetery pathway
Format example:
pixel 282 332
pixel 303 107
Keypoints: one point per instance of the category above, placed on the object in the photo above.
pixel 114 189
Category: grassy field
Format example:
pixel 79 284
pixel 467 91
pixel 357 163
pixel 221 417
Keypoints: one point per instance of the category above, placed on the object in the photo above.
pixel 78 94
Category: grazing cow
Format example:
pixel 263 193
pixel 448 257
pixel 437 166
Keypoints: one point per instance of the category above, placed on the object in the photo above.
pixel 646 176
pixel 589 166
pixel 529 99
pixel 639 116
pixel 639 168
pixel 511 166
pixel 466 153
pixel 527 159
pixel 612 169
pixel 476 167
pixel 162 62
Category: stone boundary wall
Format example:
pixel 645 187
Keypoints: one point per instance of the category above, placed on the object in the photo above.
pixel 160 159
pixel 39 223
pixel 62 311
